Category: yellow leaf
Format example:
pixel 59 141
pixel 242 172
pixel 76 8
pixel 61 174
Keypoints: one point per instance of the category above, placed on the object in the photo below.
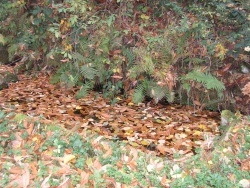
pixel 210 162
pixel 128 132
pixel 134 144
pixel 130 104
pixel 220 51
pixel 116 70
pixel 68 158
pixel 161 141
pixel 61 22
pixel 34 139
pixel 198 142
pixel 145 142
pixel 89 162
pixel 169 137
pixel 78 107
pixel 159 121
pixel 197 133
pixel 180 136
pixel 235 130
pixel 149 115
pixel 203 127
pixel 144 17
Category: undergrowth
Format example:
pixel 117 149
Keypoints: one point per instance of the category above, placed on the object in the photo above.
pixel 144 49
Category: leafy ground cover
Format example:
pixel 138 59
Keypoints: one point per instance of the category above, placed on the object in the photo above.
pixel 166 129
pixel 50 139
pixel 179 52
pixel 36 152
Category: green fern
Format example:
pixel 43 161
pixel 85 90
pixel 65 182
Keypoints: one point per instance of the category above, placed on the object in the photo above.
pixel 129 55
pixel 209 81
pixel 170 96
pixel 56 78
pixel 68 75
pixel 157 93
pixel 105 44
pixel 70 80
pixel 152 90
pixel 139 93
pixel 88 71
pixel 144 64
pixel 84 90
pixel 78 57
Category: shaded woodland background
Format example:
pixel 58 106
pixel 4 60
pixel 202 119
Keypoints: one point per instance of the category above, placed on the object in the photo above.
pixel 89 74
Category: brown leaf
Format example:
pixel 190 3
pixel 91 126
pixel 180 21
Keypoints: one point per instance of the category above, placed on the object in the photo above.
pixel 84 178
pixel 15 170
pixel 97 165
pixel 45 183
pixel 26 175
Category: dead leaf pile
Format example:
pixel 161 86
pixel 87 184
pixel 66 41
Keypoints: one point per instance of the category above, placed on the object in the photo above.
pixel 166 129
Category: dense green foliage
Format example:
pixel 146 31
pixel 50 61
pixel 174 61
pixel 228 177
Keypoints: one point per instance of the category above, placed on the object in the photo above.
pixel 159 49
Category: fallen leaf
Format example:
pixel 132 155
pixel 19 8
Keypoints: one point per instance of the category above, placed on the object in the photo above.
pixel 25 175
pixel 45 183
pixel 244 183
pixel 84 178
pixel 68 158
pixel 180 136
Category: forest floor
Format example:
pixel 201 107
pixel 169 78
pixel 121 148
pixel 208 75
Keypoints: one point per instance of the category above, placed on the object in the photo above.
pixel 51 139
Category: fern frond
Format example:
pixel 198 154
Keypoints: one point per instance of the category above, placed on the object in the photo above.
pixel 78 57
pixel 88 71
pixel 214 83
pixel 84 90
pixel 12 49
pixel 151 89
pixel 139 93
pixel 129 55
pixel 144 64
pixel 69 80
pixel 157 93
pixel 135 71
pixel 148 64
pixel 170 96
pixel 209 81
pixel 105 44
pixel 56 78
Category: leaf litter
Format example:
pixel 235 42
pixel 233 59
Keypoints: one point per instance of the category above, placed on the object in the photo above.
pixel 165 129
pixel 36 154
